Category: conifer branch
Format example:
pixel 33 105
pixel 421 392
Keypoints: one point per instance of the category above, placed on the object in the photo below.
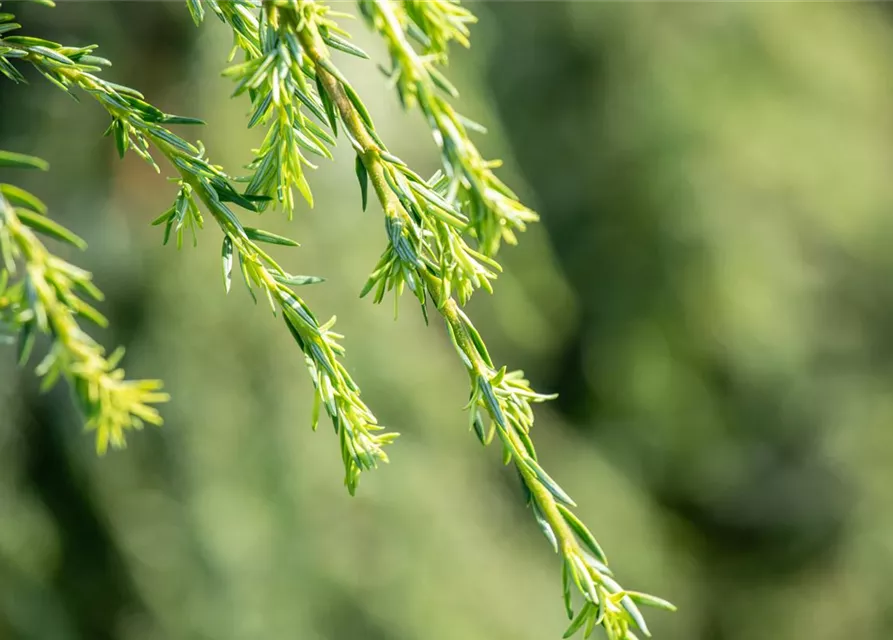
pixel 42 293
pixel 303 99
pixel 494 211
pixel 504 397
pixel 137 125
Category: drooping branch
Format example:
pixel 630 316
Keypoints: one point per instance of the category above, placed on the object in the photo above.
pixel 304 100
pixel 139 126
pixel 494 211
pixel 42 293
pixel 414 226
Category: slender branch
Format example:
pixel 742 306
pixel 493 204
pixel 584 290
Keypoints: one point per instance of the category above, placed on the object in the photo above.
pixel 288 69
pixel 504 397
pixel 494 211
pixel 138 126
pixel 46 298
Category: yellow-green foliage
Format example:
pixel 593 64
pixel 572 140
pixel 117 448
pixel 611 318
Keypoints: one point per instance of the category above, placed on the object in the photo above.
pixel 442 235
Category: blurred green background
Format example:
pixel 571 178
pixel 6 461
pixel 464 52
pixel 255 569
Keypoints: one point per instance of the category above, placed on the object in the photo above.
pixel 709 291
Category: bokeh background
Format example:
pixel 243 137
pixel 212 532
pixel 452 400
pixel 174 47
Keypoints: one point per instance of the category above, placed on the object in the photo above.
pixel 710 291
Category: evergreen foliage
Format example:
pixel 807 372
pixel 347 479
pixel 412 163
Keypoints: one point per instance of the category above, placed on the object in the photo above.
pixel 442 233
